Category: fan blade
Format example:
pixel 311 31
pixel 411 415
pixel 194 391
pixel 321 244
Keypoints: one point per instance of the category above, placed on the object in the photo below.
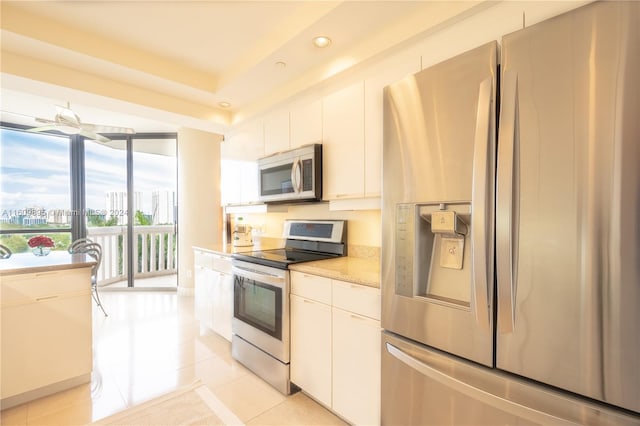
pixel 107 129
pixel 60 128
pixel 94 136
pixel 45 121
pixel 42 129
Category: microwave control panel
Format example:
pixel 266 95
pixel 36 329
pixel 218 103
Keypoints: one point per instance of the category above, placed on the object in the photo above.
pixel 307 175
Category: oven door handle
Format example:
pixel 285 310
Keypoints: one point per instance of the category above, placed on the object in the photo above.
pixel 259 276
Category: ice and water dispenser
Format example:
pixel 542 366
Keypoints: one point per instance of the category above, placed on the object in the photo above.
pixel 433 252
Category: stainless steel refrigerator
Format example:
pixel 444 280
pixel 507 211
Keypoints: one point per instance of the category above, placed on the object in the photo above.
pixel 511 229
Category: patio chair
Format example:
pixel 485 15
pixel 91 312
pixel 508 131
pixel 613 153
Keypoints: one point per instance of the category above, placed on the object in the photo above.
pixel 5 252
pixel 95 251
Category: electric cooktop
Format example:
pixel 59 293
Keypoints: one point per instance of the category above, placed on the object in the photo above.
pixel 307 240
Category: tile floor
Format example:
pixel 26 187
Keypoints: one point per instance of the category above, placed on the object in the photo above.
pixel 159 282
pixel 151 344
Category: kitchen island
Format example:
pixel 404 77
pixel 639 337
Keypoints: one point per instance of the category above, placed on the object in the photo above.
pixel 45 309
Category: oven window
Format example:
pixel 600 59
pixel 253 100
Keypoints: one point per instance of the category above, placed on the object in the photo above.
pixel 259 305
pixel 276 180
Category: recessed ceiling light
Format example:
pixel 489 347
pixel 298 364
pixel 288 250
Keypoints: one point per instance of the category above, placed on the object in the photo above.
pixel 281 64
pixel 224 104
pixel 321 41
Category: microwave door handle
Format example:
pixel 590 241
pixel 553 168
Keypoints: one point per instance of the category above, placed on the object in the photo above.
pixel 295 176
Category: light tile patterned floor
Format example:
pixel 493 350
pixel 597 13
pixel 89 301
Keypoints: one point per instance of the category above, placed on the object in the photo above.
pixel 151 344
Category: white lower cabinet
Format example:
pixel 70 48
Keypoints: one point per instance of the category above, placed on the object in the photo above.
pixel 335 345
pixel 222 303
pixel 356 367
pixel 46 333
pixel 203 299
pixel 213 292
pixel 311 347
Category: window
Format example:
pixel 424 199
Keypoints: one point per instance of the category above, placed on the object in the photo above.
pixel 36 189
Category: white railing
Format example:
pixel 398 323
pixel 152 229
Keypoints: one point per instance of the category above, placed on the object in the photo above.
pixel 155 247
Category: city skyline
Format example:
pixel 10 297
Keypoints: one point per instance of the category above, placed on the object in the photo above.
pixel 35 172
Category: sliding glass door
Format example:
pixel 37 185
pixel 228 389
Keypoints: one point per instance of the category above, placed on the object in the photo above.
pixel 132 205
pixel 106 206
pixel 155 210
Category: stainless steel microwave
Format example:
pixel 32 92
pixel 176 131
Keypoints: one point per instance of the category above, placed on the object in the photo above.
pixel 291 176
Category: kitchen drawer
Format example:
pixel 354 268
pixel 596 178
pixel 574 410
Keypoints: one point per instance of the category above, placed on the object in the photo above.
pixel 212 261
pixel 356 298
pixel 221 264
pixel 311 286
pixel 203 258
pixel 28 288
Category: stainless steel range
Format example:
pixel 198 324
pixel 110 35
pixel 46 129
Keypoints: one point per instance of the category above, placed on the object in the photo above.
pixel 261 295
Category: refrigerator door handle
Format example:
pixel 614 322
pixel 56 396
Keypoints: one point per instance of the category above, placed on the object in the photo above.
pixel 473 392
pixel 480 206
pixel 504 203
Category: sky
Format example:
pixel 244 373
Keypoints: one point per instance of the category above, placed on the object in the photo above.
pixel 35 172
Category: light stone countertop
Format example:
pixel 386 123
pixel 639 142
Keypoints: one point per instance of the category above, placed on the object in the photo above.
pixel 362 269
pixel 27 263
pixel 229 249
pixel 357 270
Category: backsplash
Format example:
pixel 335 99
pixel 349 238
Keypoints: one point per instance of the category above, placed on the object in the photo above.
pixel 363 232
pixel 364 252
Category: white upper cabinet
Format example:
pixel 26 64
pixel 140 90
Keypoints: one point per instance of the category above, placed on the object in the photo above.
pixel 239 172
pixel 244 142
pixel 239 182
pixel 343 139
pixel 306 123
pixel 276 132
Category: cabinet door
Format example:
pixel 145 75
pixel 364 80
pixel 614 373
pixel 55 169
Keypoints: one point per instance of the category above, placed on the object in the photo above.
pixel 45 330
pixel 239 170
pixel 204 295
pixel 343 143
pixel 244 142
pixel 356 368
pixel 223 304
pixel 276 132
pixel 306 123
pixel 311 347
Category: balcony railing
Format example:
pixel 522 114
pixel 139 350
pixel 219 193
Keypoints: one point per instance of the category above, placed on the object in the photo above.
pixel 155 248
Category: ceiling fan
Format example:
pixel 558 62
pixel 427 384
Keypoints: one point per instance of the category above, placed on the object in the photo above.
pixel 68 122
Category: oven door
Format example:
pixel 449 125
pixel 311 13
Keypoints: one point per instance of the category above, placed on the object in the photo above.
pixel 261 307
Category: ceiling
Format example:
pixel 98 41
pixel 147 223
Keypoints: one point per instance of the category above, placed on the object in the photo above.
pixel 160 65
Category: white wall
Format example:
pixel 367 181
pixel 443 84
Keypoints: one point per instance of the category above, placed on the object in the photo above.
pixel 199 211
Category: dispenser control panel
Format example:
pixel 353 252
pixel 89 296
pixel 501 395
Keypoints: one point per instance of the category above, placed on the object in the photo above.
pixel 405 241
